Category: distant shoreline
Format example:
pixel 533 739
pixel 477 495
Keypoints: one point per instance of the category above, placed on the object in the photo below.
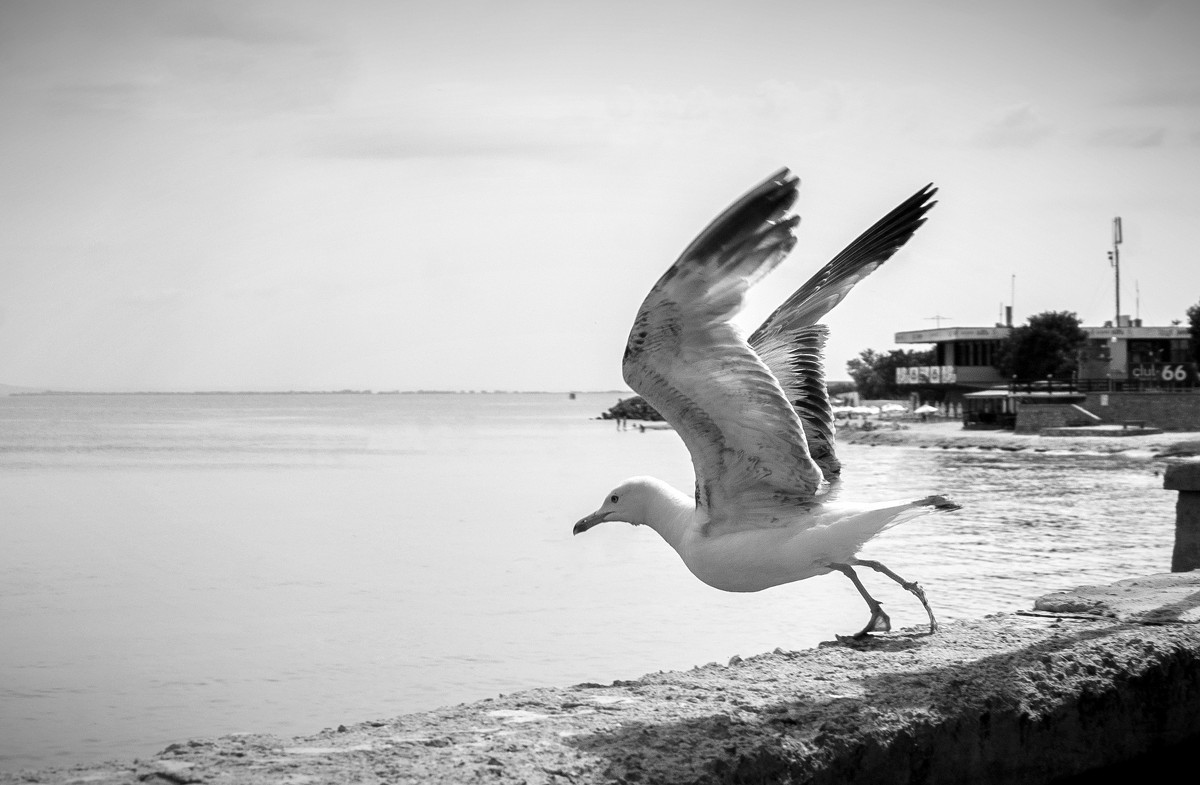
pixel 316 392
pixel 949 435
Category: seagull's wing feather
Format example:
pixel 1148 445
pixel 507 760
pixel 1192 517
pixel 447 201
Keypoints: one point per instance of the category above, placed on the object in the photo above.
pixel 791 343
pixel 687 360
pixel 796 359
pixel 819 294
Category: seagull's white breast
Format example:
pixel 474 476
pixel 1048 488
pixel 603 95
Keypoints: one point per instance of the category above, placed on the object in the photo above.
pixel 759 558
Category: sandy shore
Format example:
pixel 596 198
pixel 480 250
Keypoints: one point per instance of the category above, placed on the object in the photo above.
pixel 951 435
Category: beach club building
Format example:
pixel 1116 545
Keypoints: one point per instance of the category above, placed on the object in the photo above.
pixel 1124 372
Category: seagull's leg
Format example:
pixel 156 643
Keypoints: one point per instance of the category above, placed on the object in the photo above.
pixel 879 620
pixel 910 586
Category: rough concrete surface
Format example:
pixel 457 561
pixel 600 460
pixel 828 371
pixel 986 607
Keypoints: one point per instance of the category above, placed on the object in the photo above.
pixel 1112 675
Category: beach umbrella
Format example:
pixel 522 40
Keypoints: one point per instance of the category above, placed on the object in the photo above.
pixel 894 407
pixel 925 409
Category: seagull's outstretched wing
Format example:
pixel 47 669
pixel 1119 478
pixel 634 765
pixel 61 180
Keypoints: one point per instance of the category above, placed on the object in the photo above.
pixel 791 343
pixel 688 361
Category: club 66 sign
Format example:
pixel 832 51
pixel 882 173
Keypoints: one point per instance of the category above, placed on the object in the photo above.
pixel 1165 373
pixel 930 374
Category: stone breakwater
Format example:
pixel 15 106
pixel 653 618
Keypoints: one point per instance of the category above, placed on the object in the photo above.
pixel 1102 676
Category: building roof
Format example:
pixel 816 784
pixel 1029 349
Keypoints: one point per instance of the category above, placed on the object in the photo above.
pixel 940 334
pixel 947 334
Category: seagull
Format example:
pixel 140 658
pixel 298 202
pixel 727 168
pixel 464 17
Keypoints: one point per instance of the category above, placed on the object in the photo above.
pixel 755 413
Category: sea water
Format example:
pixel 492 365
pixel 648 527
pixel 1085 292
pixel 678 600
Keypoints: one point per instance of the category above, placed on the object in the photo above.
pixel 180 566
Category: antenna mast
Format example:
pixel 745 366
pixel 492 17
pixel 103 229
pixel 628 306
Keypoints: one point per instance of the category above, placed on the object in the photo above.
pixel 1114 257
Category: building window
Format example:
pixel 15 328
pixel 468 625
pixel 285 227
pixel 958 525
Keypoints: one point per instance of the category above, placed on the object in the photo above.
pixel 976 354
pixel 1149 351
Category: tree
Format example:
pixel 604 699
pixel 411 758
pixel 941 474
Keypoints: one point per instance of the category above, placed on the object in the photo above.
pixel 1048 345
pixel 1193 315
pixel 874 374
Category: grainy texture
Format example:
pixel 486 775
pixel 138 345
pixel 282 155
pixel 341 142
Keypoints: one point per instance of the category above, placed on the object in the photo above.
pixel 1008 698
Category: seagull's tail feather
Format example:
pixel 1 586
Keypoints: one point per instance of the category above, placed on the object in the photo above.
pixel 857 522
pixel 938 503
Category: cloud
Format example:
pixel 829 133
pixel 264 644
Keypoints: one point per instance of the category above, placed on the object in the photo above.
pixel 489 119
pixel 461 120
pixel 1018 126
pixel 193 61
pixel 1179 90
pixel 1129 136
pixel 400 139
pixel 1131 10
pixel 232 22
pixel 98 96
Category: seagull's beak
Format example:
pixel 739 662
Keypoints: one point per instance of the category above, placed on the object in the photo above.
pixel 590 521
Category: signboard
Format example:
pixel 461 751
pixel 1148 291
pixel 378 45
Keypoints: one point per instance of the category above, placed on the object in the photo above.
pixel 940 334
pixel 1134 333
pixel 1164 373
pixel 927 374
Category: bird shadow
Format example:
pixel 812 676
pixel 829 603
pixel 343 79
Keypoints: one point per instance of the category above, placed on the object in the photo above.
pixel 877 643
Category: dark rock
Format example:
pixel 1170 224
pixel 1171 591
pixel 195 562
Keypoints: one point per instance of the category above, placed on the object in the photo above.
pixel 634 408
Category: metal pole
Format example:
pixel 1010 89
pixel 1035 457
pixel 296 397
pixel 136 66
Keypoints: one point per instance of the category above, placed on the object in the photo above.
pixel 1116 261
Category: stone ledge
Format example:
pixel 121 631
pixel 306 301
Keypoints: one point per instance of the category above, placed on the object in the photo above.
pixel 1009 698
pixel 1101 431
pixel 1184 476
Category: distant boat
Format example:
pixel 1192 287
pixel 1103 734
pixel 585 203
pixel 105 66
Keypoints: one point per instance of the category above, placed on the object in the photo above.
pixel 571 395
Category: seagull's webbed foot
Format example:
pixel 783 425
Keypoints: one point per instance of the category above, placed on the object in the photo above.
pixel 910 586
pixel 879 620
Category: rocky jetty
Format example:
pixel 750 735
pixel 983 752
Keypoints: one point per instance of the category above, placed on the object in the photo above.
pixel 634 408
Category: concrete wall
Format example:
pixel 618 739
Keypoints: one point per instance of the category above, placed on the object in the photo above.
pixel 1168 411
pixel 1033 417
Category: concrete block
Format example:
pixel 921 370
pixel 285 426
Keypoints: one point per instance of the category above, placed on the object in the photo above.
pixel 1182 476
pixel 1185 478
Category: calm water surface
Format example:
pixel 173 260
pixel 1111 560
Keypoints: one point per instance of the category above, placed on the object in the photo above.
pixel 183 566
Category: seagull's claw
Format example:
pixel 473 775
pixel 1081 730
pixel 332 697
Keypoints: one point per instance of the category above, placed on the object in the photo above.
pixel 879 623
pixel 910 586
pixel 916 589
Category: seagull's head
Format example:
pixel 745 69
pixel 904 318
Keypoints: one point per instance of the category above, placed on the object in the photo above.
pixel 627 502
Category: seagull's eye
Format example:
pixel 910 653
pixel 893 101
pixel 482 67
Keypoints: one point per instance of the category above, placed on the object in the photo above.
pixel 613 498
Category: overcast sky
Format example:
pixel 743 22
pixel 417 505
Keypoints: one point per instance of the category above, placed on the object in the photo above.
pixel 477 195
